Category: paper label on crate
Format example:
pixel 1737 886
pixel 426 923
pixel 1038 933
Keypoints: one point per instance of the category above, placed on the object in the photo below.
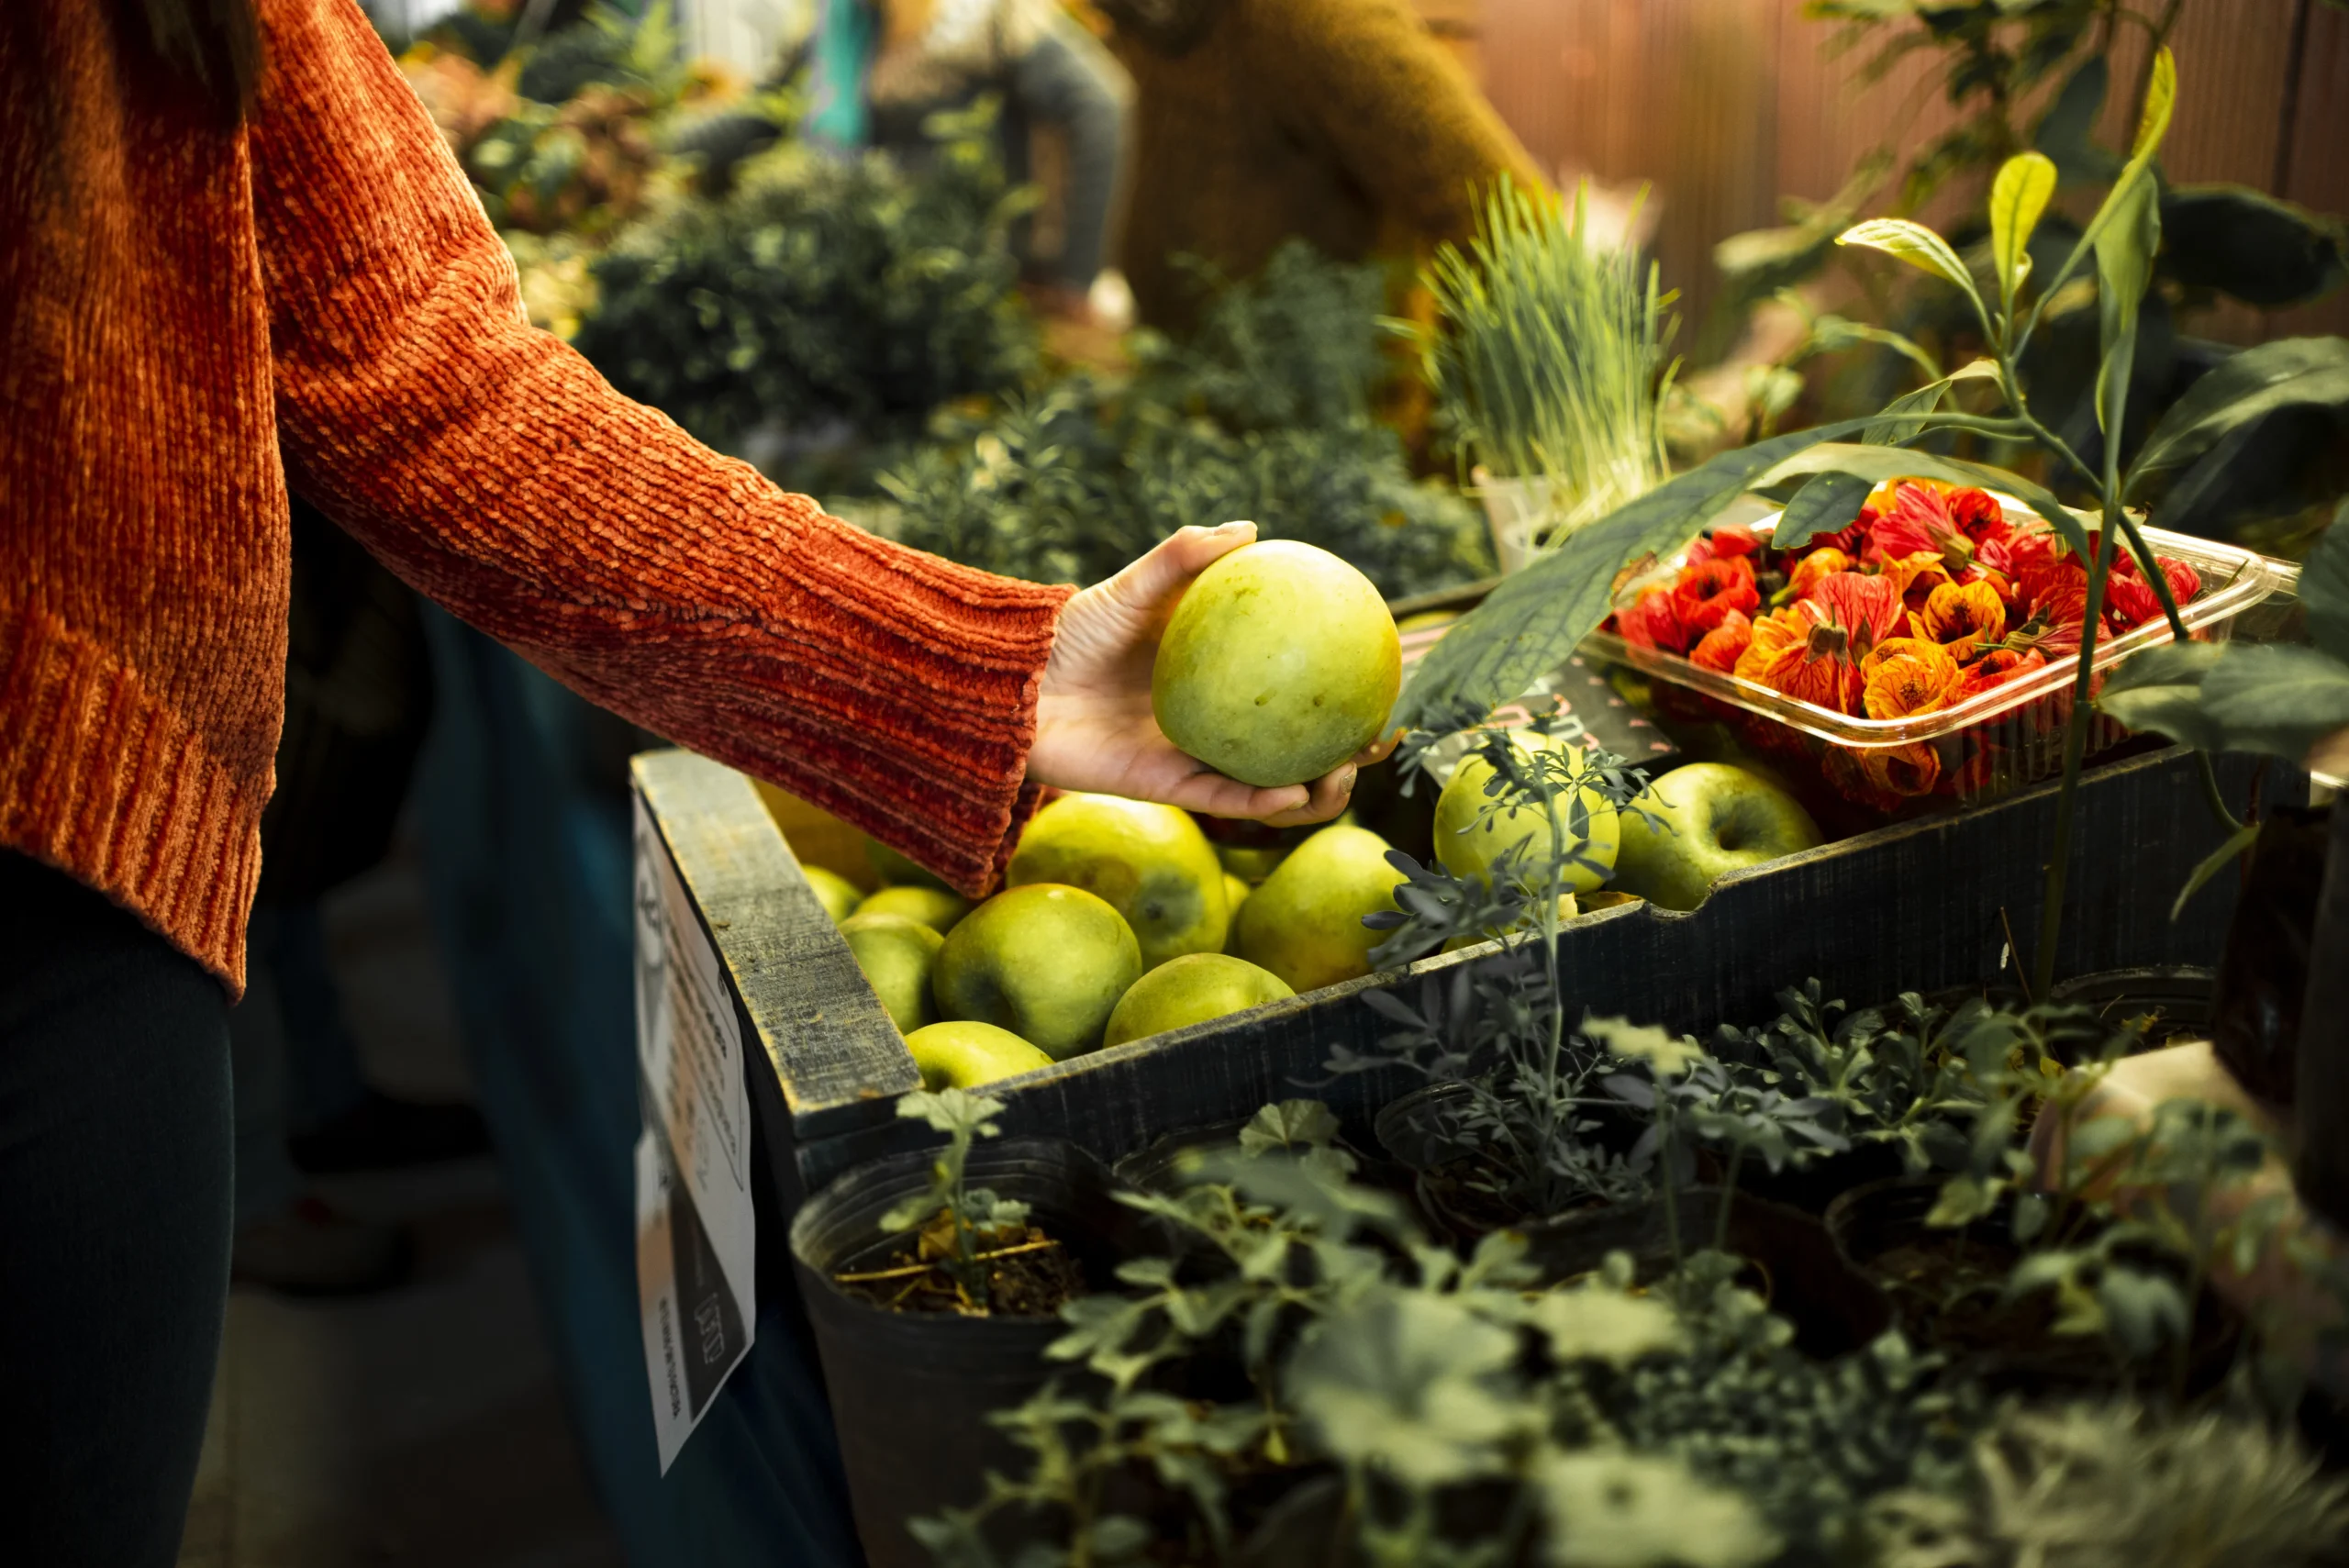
pixel 695 1231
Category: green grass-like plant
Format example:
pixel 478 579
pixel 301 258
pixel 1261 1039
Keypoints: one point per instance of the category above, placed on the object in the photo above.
pixel 1549 361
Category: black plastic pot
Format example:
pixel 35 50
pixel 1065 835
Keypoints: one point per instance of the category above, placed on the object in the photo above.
pixel 1880 1230
pixel 911 1392
pixel 1418 1130
pixel 1794 1264
pixel 2175 1001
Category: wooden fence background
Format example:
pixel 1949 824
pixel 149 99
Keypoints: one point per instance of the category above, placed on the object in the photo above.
pixel 1727 105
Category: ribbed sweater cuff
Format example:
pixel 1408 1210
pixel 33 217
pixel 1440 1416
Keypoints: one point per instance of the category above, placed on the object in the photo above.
pixel 892 688
pixel 103 781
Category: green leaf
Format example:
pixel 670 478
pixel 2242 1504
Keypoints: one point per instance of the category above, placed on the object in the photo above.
pixel 2238 843
pixel 2160 103
pixel 2248 244
pixel 1528 625
pixel 1289 1124
pixel 2025 186
pixel 2324 586
pixel 2277 698
pixel 2064 133
pixel 1827 504
pixel 2288 373
pixel 2124 265
pixel 1904 417
pixel 1877 464
pixel 2160 690
pixel 1921 248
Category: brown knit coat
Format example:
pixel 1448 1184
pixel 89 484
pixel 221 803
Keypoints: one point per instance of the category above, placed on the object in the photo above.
pixel 189 314
pixel 1341 122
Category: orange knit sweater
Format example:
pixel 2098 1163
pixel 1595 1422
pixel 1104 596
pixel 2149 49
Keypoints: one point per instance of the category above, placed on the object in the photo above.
pixel 190 316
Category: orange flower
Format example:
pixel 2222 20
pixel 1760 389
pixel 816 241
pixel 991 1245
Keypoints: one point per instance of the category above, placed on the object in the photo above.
pixel 1808 661
pixel 1822 562
pixel 1866 608
pixel 1723 647
pixel 1910 675
pixel 1997 667
pixel 1905 771
pixel 1963 617
pixel 1915 578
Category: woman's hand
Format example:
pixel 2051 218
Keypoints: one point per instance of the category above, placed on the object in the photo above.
pixel 1095 731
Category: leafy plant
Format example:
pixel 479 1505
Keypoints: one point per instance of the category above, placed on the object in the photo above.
pixel 1534 621
pixel 1500 1030
pixel 2036 78
pixel 2117 1485
pixel 1548 358
pixel 1264 414
pixel 956 1222
pixel 821 291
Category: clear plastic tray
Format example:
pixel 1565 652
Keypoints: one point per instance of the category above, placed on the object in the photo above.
pixel 1999 740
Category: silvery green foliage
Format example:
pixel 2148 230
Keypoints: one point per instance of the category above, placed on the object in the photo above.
pixel 1417 1373
pixel 1497 1029
pixel 2118 1486
pixel 1881 1070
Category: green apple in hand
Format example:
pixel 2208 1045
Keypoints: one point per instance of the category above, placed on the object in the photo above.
pixel 1716 820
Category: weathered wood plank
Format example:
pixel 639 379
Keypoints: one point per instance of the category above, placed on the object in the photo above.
pixel 1914 906
pixel 836 1058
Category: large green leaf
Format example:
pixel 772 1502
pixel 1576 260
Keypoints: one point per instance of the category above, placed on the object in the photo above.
pixel 1877 464
pixel 2324 586
pixel 2276 698
pixel 2160 691
pixel 1528 625
pixel 2124 265
pixel 2246 243
pixel 2161 99
pixel 2289 372
pixel 2160 104
pixel 2018 199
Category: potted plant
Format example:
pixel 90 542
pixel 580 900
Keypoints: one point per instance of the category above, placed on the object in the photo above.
pixel 1548 360
pixel 934 1298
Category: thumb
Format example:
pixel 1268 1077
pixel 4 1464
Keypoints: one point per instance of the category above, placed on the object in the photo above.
pixel 1169 567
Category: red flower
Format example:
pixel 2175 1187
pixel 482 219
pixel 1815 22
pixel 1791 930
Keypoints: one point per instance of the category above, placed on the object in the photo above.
pixel 1793 653
pixel 1653 622
pixel 2054 612
pixel 1723 647
pixel 1868 608
pixel 2129 602
pixel 1725 542
pixel 1709 591
pixel 1952 524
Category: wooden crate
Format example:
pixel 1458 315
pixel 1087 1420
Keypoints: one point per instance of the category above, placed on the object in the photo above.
pixel 1922 904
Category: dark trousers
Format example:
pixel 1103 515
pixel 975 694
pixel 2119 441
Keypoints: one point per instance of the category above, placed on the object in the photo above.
pixel 115 1190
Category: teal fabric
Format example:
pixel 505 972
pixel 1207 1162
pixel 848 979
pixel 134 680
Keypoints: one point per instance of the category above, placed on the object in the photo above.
pixel 845 38
pixel 528 857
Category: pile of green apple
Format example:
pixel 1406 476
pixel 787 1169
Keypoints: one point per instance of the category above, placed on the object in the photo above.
pixel 1118 920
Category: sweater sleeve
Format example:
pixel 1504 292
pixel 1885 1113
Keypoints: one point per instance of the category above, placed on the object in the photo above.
pixel 1401 114
pixel 487 464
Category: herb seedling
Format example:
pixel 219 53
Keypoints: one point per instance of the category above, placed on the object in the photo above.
pixel 959 1225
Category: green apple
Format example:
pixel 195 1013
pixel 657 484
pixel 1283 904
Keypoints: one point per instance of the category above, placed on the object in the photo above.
pixel 1304 924
pixel 934 906
pixel 1235 894
pixel 963 1054
pixel 1718 817
pixel 1279 663
pixel 836 893
pixel 1150 862
pixel 898 869
pixel 897 955
pixel 1190 990
pixel 1470 844
pixel 1046 961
